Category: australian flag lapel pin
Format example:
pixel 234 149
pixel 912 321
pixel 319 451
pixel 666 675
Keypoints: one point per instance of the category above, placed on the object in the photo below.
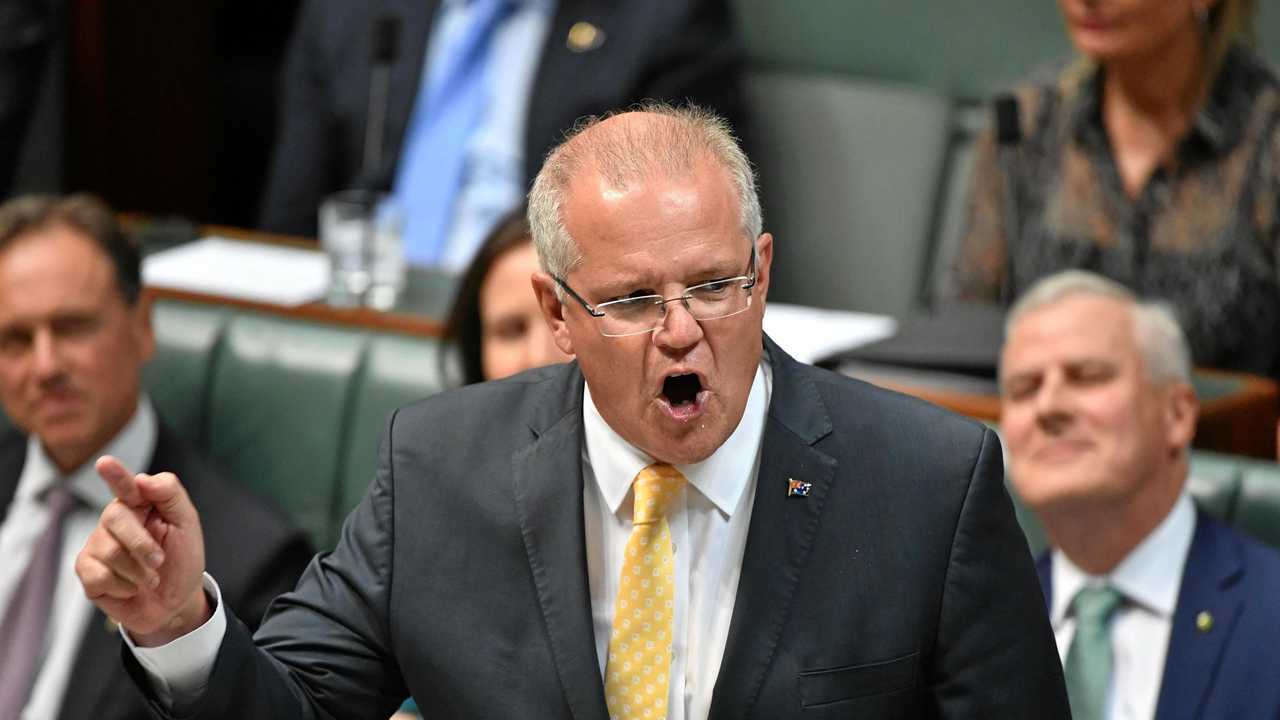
pixel 798 488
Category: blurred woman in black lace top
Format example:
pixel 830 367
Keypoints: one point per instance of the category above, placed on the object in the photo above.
pixel 1154 160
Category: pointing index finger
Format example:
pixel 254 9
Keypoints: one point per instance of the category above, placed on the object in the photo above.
pixel 120 480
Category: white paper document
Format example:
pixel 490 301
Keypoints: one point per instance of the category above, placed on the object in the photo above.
pixel 809 334
pixel 254 271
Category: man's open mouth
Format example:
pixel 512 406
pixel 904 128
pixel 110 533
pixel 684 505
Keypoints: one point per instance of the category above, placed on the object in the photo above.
pixel 681 389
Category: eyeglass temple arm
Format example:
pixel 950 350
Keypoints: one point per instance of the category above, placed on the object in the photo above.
pixel 751 268
pixel 585 305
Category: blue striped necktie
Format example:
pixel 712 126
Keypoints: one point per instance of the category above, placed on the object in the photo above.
pixel 449 108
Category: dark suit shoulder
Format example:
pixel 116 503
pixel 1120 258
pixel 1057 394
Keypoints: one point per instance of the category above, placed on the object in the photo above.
pixel 1260 564
pixel 535 398
pixel 865 416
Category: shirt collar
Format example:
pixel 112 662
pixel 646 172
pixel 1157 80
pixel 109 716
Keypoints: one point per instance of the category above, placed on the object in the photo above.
pixel 133 446
pixel 721 478
pixel 1149 576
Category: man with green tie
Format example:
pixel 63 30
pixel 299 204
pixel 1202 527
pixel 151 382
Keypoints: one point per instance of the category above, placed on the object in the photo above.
pixel 1159 610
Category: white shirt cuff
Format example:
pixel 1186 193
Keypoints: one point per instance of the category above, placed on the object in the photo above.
pixel 180 669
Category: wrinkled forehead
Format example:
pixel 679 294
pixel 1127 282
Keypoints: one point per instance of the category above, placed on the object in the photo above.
pixel 696 206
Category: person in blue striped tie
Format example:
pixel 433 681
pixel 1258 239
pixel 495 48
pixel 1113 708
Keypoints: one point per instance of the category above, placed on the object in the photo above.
pixel 479 92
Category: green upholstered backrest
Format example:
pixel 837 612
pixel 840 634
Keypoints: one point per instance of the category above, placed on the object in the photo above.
pixel 1242 492
pixel 848 182
pixel 1250 491
pixel 177 376
pixel 292 409
pixel 278 411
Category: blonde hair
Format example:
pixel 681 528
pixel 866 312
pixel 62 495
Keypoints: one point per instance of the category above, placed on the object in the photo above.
pixel 1229 22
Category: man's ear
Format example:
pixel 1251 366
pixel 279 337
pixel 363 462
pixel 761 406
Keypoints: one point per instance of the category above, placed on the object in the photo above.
pixel 764 262
pixel 1182 410
pixel 544 287
pixel 144 332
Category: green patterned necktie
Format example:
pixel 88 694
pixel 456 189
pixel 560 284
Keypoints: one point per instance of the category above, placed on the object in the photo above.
pixel 1088 665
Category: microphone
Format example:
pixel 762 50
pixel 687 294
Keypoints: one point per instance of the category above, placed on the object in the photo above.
pixel 1008 142
pixel 384 48
pixel 1008 120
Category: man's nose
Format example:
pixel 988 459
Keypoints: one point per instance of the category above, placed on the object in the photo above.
pixel 679 329
pixel 46 355
pixel 1052 404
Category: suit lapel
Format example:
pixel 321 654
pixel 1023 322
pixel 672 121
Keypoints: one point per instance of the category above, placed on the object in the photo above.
pixel 95 674
pixel 547 478
pixel 1210 590
pixel 13 456
pixel 1044 569
pixel 779 538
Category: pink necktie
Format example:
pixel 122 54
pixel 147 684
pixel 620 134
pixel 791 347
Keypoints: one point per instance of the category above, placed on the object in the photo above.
pixel 22 635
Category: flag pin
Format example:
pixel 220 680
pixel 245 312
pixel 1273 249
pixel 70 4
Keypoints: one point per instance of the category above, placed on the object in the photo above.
pixel 798 488
pixel 1204 621
pixel 584 37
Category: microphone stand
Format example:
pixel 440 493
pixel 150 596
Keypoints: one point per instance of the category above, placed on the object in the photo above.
pixel 1008 143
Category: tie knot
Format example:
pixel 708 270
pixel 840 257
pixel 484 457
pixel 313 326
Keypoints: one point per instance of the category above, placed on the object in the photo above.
pixel 655 486
pixel 59 499
pixel 1094 605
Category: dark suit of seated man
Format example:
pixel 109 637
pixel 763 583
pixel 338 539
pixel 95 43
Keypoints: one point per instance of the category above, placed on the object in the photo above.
pixel 74 335
pixel 682 523
pixel 536 65
pixel 1159 610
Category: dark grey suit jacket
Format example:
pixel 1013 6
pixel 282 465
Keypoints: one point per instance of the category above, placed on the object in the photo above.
pixel 901 587
pixel 254 554
pixel 672 50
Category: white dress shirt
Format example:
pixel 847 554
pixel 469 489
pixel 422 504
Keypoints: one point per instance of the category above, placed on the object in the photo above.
pixel 493 172
pixel 1148 579
pixel 25 522
pixel 713 518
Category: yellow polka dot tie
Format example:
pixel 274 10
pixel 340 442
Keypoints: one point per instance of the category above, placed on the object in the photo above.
pixel 637 676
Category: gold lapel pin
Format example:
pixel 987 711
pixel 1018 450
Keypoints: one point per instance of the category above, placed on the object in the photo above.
pixel 1204 621
pixel 584 37
pixel 798 488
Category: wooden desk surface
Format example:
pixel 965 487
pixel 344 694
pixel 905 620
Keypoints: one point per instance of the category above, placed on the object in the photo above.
pixel 421 313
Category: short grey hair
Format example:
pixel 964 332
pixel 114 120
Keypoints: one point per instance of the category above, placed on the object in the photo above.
pixel 1155 326
pixel 623 153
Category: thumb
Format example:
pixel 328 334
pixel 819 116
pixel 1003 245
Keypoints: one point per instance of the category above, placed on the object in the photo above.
pixel 164 492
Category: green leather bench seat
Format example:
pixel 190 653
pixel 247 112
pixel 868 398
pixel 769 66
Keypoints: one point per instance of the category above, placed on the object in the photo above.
pixel 1242 492
pixel 849 175
pixel 290 408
